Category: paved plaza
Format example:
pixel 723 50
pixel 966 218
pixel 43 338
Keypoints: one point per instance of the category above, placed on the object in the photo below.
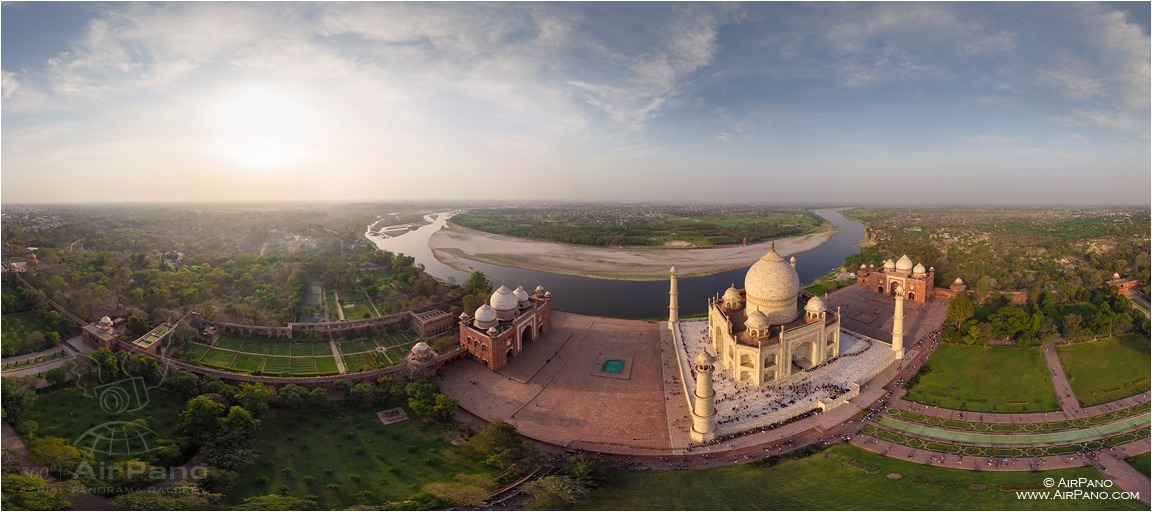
pixel 870 313
pixel 556 390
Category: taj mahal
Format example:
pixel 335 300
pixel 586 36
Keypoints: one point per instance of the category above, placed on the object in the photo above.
pixel 771 352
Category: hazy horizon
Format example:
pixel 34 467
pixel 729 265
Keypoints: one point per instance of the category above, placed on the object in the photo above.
pixel 950 104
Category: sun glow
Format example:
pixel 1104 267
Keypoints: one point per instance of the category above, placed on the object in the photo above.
pixel 263 127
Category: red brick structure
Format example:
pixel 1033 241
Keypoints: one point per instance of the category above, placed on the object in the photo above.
pixel 99 334
pixel 917 282
pixel 1123 285
pixel 502 328
pixel 431 323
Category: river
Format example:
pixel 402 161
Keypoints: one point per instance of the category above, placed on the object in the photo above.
pixel 624 299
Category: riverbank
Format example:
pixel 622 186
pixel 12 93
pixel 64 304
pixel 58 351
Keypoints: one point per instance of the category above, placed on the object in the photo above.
pixel 454 244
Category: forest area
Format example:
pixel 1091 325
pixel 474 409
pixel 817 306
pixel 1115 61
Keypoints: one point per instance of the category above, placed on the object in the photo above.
pixel 246 264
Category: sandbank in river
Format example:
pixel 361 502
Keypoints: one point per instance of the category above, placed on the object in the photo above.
pixel 453 244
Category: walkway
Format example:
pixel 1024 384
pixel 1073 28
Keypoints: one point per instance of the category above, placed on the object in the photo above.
pixel 1064 393
pixel 336 352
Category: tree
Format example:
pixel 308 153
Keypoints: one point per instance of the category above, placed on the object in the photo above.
pixel 17 395
pixel 444 407
pixel 181 496
pixel 277 502
pixel 200 420
pixel 137 326
pixel 255 397
pixel 107 365
pixel 56 376
pixel 501 443
pixel 983 288
pixel 1072 328
pixel 28 491
pixel 318 397
pixel 555 491
pixel 292 396
pixel 35 341
pixel 59 455
pixel 184 383
pixel 238 427
pixel 588 468
pixel 960 309
pixel 131 474
pixel 422 396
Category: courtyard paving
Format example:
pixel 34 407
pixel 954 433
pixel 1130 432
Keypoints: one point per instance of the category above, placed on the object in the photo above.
pixel 552 391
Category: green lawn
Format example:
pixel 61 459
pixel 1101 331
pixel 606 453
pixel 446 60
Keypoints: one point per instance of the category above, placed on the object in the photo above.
pixel 1142 463
pixel 69 414
pixel 346 457
pixel 986 379
pixel 1107 370
pixel 267 356
pixel 855 480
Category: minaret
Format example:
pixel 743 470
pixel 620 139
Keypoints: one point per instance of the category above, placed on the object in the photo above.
pixel 898 324
pixel 673 301
pixel 704 405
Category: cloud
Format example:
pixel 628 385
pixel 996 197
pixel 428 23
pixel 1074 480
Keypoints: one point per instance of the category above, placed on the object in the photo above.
pixel 8 84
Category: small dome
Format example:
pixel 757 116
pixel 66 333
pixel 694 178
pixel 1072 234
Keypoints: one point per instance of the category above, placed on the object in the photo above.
pixel 547 294
pixel 539 288
pixel 492 331
pixel 889 265
pixel 815 305
pixel 703 359
pixel 503 299
pixel 485 313
pixel 904 263
pixel 732 294
pixel 521 294
pixel 421 348
pixel 464 315
pixel 757 320
pixel 105 322
pixel 863 266
pixel 1115 275
pixel 918 269
pixel 958 281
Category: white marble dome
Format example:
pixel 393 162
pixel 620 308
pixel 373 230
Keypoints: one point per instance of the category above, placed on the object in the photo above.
pixel 918 269
pixel 889 265
pixel 105 322
pixel 731 294
pixel 958 281
pixel 904 263
pixel 815 305
pixel 485 313
pixel 421 348
pixel 503 299
pixel 539 288
pixel 521 294
pixel 771 286
pixel 756 320
pixel 703 359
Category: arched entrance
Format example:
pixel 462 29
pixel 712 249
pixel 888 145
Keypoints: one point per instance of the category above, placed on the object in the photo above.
pixel 892 288
pixel 804 355
pixel 880 288
pixel 526 334
pixel 508 355
pixel 911 296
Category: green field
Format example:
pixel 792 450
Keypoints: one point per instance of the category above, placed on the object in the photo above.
pixel 356 305
pixel 704 229
pixel 69 414
pixel 855 480
pixel 348 458
pixel 270 357
pixel 986 379
pixel 1142 463
pixel 1107 370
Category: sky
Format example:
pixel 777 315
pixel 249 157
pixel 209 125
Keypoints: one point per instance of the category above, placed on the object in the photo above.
pixel 863 103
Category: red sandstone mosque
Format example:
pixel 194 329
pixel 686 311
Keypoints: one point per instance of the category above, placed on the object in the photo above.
pixel 915 280
pixel 502 328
